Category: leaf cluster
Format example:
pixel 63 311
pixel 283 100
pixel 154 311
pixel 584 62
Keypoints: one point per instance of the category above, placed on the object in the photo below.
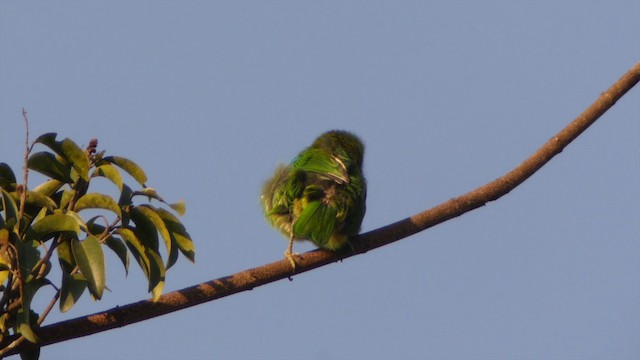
pixel 50 219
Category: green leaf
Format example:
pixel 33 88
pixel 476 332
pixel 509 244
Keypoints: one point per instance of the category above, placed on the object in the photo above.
pixel 125 196
pixel 150 213
pixel 97 201
pixel 65 198
pixel 149 192
pixel 7 177
pixel 29 256
pixel 130 167
pixel 24 327
pixel 110 172
pixel 34 204
pixel 23 316
pixel 145 229
pixel 180 207
pixel 182 237
pixel 52 224
pixel 4 318
pixel 90 259
pixel 75 215
pixel 47 164
pixel 157 276
pixel 65 257
pixel 49 187
pixel 97 229
pixel 173 255
pixel 4 240
pixel 136 248
pixel 9 205
pixel 68 150
pixel 36 199
pixel 118 247
pixel 5 258
pixel 72 288
pixel 178 233
pixel 148 259
pixel 4 275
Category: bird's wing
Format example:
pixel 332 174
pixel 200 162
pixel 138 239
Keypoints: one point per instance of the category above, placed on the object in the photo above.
pixel 315 222
pixel 323 164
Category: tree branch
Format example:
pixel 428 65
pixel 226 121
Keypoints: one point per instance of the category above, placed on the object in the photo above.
pixel 249 279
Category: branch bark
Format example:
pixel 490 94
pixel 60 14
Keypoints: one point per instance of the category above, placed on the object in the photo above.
pixel 249 279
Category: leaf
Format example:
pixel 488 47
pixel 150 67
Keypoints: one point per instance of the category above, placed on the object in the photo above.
pixel 157 291
pixel 47 164
pixel 69 151
pixel 4 275
pixel 150 213
pixel 149 192
pixel 5 258
pixel 180 207
pixel 23 326
pixel 36 199
pixel 65 197
pixel 125 197
pixel 10 207
pixel 173 255
pixel 72 288
pixel 29 256
pixel 95 229
pixel 23 316
pixel 90 259
pixel 7 177
pixel 52 224
pixel 75 215
pixel 118 247
pixel 130 167
pixel 65 257
pixel 157 276
pixel 34 204
pixel 179 234
pixel 148 259
pixel 49 187
pixel 136 248
pixel 97 201
pixel 145 229
pixel 110 172
pixel 4 318
pixel 30 288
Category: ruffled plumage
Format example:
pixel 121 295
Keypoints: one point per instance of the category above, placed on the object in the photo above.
pixel 321 195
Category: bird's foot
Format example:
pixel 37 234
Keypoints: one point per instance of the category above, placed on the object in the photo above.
pixel 290 256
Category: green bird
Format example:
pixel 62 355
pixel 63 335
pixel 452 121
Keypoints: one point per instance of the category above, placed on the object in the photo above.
pixel 320 196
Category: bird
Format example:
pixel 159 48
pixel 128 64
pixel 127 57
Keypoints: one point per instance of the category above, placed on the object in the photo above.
pixel 321 195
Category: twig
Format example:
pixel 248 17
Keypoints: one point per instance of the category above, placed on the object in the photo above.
pixel 25 170
pixel 249 279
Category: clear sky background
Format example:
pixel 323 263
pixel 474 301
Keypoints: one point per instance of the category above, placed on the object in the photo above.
pixel 209 96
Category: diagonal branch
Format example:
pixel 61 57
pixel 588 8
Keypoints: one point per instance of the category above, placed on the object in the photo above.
pixel 249 279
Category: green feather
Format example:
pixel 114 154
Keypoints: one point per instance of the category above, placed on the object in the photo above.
pixel 316 222
pixel 321 195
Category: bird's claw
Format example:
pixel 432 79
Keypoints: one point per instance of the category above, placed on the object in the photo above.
pixel 290 256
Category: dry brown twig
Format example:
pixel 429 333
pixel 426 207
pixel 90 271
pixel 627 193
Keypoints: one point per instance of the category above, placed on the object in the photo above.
pixel 249 279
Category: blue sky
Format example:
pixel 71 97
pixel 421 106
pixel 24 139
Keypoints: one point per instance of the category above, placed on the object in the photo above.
pixel 447 95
